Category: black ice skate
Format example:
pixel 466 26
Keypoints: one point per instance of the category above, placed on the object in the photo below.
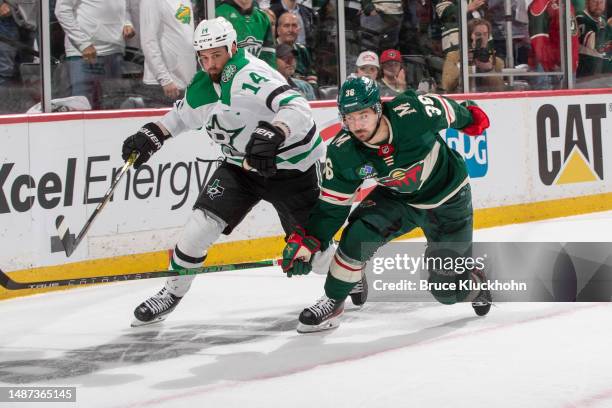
pixel 323 315
pixel 155 309
pixel 482 302
pixel 359 293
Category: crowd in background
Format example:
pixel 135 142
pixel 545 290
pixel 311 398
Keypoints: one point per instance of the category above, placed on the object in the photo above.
pixel 110 54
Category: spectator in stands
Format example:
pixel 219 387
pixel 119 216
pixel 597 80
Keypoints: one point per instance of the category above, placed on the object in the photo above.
pixel 520 28
pixel 393 80
pixel 166 37
pixel 481 58
pixel 381 21
pixel 352 23
pixel 252 26
pixel 287 30
pixel 325 54
pixel 286 63
pixel 448 16
pixel 9 30
pixel 133 7
pixel 272 18
pixel 305 16
pixel 18 24
pixel 95 34
pixel 544 32
pixel 367 65
pixel 595 40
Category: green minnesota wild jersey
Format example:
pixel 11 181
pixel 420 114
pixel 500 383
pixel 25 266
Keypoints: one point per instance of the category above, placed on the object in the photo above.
pixel 595 45
pixel 249 91
pixel 253 29
pixel 415 164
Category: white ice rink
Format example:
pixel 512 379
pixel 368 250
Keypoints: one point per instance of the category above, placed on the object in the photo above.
pixel 232 343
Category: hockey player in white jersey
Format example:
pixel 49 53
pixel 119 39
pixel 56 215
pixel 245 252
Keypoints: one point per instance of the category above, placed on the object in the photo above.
pixel 269 140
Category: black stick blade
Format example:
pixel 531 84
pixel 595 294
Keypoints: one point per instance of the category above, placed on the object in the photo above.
pixel 7 283
pixel 65 237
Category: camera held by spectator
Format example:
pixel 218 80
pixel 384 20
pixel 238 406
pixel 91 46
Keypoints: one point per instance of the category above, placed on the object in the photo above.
pixel 480 54
pixel 481 59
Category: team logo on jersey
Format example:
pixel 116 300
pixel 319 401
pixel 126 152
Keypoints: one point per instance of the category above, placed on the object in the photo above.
pixel 367 203
pixel 214 189
pixel 228 72
pixel 404 109
pixel 219 134
pixel 183 14
pixel 404 180
pixel 570 143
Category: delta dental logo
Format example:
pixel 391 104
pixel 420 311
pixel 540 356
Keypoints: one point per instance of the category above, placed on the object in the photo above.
pixel 572 154
pixel 473 149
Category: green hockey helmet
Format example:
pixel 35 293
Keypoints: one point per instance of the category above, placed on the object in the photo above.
pixel 359 93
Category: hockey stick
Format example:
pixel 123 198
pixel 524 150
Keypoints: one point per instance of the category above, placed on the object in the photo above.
pixel 69 243
pixel 8 283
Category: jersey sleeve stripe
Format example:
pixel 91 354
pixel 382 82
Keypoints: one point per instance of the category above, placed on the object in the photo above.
pixel 288 99
pixel 539 35
pixel 448 109
pixel 278 91
pixel 304 141
pixel 336 198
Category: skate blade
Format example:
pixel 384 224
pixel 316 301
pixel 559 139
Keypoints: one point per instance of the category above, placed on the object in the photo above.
pixel 140 323
pixel 328 325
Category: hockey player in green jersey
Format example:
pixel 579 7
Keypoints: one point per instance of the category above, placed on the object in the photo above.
pixel 421 182
pixel 269 139
pixel 252 26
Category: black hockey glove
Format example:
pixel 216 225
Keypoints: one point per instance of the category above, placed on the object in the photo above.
pixel 260 152
pixel 145 142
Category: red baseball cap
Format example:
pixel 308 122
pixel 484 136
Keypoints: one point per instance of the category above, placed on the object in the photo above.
pixel 390 55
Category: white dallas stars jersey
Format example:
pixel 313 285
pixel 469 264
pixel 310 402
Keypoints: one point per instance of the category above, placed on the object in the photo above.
pixel 249 91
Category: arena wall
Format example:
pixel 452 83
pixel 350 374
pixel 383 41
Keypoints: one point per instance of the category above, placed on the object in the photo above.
pixel 546 154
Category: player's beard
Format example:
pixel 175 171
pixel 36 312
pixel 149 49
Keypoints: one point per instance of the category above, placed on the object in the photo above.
pixel 216 77
pixel 364 136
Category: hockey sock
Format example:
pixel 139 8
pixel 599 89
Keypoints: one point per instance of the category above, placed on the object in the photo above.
pixel 337 289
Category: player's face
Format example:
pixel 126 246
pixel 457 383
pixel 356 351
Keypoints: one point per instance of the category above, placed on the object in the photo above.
pixel 213 61
pixel 362 124
pixel 369 71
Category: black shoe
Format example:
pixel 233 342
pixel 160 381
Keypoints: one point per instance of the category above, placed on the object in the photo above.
pixel 156 308
pixel 323 315
pixel 359 293
pixel 482 302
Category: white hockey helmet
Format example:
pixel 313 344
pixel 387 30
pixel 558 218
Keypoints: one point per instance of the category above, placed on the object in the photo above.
pixel 217 32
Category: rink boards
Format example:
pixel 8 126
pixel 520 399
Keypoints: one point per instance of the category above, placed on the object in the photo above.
pixel 546 154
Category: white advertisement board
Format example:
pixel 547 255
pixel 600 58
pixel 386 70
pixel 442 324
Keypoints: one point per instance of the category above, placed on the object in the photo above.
pixel 536 149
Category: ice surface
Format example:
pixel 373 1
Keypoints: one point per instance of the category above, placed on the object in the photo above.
pixel 232 343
